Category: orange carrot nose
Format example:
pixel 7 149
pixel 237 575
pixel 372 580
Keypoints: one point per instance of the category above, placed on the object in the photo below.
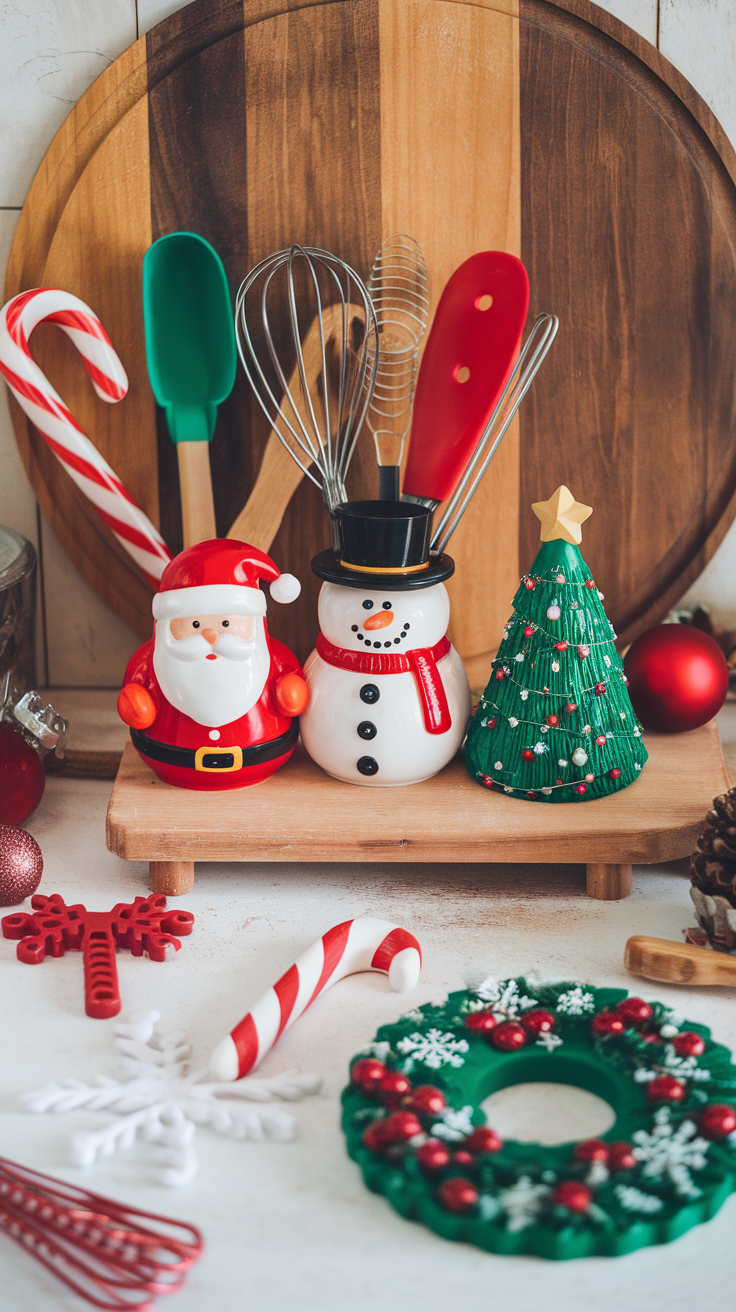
pixel 210 635
pixel 380 621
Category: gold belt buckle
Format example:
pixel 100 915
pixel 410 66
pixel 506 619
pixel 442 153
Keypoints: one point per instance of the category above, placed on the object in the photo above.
pixel 203 752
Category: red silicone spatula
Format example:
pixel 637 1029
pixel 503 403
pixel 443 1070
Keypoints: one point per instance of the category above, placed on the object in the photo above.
pixel 469 355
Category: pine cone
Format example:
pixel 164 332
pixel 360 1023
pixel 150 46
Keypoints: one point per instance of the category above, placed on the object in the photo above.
pixel 713 865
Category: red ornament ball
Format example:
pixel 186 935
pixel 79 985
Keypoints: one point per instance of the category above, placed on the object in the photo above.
pixel 393 1089
pixel 509 1037
pixel 22 779
pixel 573 1195
pixel 615 773
pixel 678 677
pixel 427 1099
pixel 368 1073
pixel 529 584
pixel 21 865
pixel 401 1125
pixel 561 646
pixel 527 754
pixel 635 1011
pixel 600 741
pixel 717 1121
pixel 552 721
pixel 591 1150
pixel 687 1044
pixel 607 1022
pixel 665 1088
pixel 590 583
pixel 581 789
pixel 571 706
pixel 621 1156
pixel 481 1021
pixel 538 1022
pixel 529 631
pixel 483 1140
pixel 499 675
pixel 458 1194
pixel 433 1155
pixel 599 690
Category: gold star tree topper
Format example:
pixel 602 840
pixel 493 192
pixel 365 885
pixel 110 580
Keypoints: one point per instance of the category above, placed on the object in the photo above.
pixel 562 516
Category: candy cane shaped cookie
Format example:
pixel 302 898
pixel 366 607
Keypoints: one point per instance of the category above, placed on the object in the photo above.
pixel 356 945
pixel 58 427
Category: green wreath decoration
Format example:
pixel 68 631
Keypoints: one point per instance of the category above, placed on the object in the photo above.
pixel 412 1118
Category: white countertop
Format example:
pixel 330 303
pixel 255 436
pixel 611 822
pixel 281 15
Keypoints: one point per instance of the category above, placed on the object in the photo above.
pixel 292 1224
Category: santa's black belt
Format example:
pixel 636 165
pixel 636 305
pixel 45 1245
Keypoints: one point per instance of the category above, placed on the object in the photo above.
pixel 216 758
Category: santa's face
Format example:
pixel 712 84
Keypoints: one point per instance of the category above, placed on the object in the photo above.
pixel 213 668
pixel 394 621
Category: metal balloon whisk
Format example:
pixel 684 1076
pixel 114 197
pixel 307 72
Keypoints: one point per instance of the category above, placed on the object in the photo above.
pixel 399 288
pixel 287 300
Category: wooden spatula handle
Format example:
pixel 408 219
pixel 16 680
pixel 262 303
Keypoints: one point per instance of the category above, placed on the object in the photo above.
pixel 195 486
pixel 678 963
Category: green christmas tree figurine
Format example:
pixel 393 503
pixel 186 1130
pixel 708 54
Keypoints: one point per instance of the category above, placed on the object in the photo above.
pixel 555 723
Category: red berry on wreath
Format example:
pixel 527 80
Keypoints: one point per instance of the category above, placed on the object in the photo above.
pixel 607 1022
pixel 433 1155
pixel 591 1150
pixel 393 1089
pixel 614 773
pixel 527 754
pixel 717 1121
pixel 573 1195
pixel 483 1139
pixel 538 1022
pixel 552 721
pixel 665 1088
pixel 635 1011
pixel 402 1125
pixel 678 677
pixel 458 1194
pixel 375 1137
pixel 508 1037
pixel 463 1159
pixel 368 1073
pixel 427 1099
pixel 621 1156
pixel 481 1021
pixel 688 1044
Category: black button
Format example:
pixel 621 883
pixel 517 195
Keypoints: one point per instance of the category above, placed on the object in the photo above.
pixel 218 760
pixel 369 693
pixel 366 729
pixel 367 765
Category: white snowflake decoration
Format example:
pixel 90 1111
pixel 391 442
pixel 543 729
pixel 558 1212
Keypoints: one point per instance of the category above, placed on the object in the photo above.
pixel 164 1103
pixel 636 1200
pixel 576 1002
pixel 434 1049
pixel 504 998
pixel 667 1152
pixel 540 748
pixel 548 1041
pixel 522 1202
pixel 524 694
pixel 381 1048
pixel 454 1125
pixel 683 1068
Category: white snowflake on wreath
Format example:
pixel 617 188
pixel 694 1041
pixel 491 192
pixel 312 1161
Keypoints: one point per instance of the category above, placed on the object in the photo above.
pixel 433 1049
pixel 637 1200
pixel 455 1124
pixel 380 1048
pixel 576 1002
pixel 683 1068
pixel 521 1203
pixel 504 998
pixel 672 1153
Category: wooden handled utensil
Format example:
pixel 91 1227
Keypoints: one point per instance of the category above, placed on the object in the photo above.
pixel 678 963
pixel 279 475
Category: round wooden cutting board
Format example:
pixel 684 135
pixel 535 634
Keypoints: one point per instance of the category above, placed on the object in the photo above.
pixel 548 130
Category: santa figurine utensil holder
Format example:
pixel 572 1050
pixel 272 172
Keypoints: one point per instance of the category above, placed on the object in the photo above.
pixel 388 695
pixel 211 699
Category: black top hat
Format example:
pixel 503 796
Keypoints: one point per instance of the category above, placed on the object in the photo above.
pixel 383 545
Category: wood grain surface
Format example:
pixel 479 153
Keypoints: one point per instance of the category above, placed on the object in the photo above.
pixel 547 129
pixel 678 963
pixel 301 814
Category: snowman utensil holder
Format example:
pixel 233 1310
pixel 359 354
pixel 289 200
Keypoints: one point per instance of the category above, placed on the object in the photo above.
pixel 389 699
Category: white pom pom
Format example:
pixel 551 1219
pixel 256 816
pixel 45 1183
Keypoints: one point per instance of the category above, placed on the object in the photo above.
pixel 285 588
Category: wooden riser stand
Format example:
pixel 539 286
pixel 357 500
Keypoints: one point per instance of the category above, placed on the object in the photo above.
pixel 300 814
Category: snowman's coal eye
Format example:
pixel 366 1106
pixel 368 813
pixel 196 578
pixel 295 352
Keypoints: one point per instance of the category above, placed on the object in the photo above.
pixel 353 628
pixel 195 624
pixel 367 605
pixel 225 624
pixel 387 605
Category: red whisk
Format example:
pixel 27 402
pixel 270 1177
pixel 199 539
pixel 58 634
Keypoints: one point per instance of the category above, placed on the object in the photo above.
pixel 113 1256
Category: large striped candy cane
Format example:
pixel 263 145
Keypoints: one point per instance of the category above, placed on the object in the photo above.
pixel 60 430
pixel 356 945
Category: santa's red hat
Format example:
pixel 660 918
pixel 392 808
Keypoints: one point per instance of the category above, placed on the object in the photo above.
pixel 220 576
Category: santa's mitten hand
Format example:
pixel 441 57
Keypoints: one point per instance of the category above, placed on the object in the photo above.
pixel 136 706
pixel 291 693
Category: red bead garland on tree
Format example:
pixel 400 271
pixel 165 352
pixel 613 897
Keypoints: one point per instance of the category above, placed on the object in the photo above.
pixel 509 1036
pixel 458 1194
pixel 717 1121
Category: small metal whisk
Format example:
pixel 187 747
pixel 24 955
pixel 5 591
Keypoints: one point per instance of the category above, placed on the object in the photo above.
pixel 277 303
pixel 399 288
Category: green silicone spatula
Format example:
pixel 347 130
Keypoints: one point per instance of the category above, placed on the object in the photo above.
pixel 190 352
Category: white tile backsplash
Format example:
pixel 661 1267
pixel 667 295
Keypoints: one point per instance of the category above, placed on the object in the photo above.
pixel 50 52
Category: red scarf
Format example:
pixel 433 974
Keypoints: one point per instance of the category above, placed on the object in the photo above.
pixel 421 661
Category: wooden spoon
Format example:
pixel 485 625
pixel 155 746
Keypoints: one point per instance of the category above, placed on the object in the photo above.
pixel 279 475
pixel 678 963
